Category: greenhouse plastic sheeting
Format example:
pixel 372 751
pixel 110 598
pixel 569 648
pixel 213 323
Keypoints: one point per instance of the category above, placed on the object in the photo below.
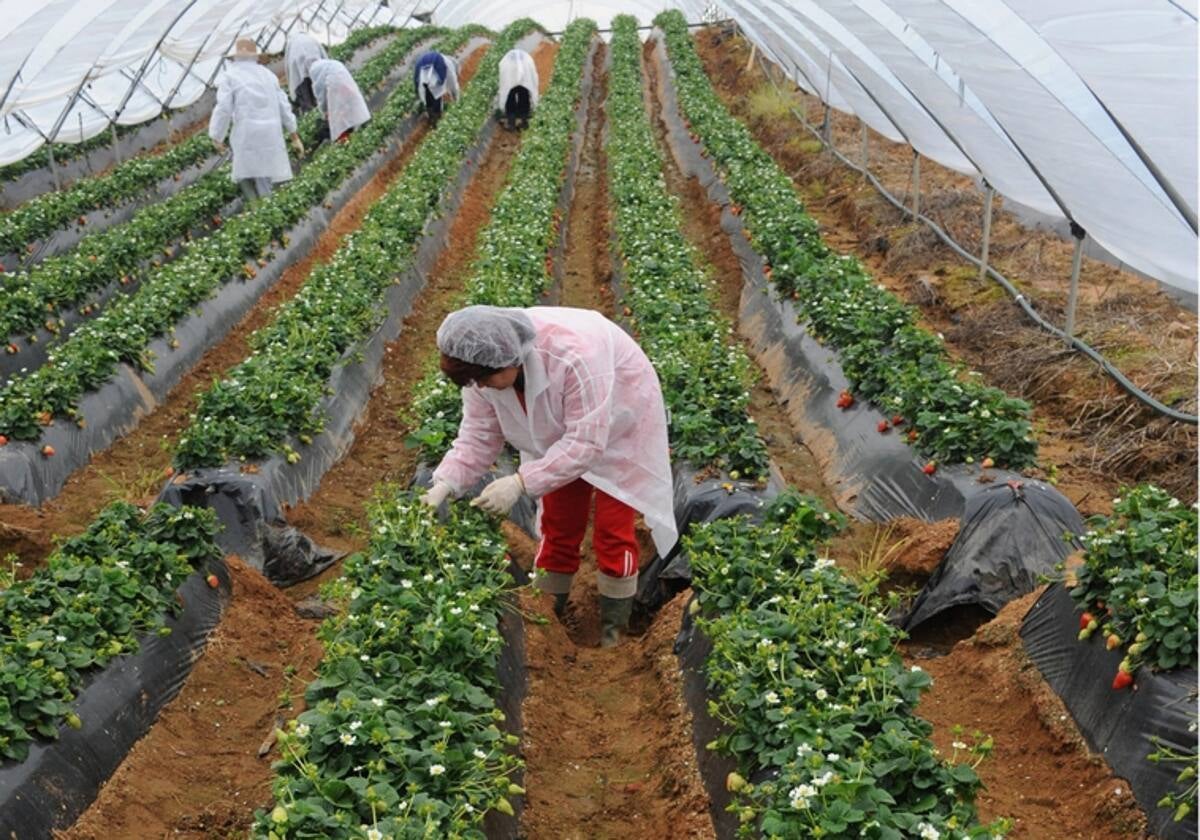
pixel 71 68
pixel 1120 725
pixel 876 477
pixel 59 779
pixel 1010 537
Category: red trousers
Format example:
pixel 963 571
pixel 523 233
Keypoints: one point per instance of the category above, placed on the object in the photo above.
pixel 564 521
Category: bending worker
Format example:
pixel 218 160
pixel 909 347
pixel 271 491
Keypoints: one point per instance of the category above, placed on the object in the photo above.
pixel 249 97
pixel 302 50
pixel 337 94
pixel 435 76
pixel 579 399
pixel 518 93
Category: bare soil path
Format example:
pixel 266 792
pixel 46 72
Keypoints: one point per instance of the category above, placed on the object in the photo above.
pixel 607 739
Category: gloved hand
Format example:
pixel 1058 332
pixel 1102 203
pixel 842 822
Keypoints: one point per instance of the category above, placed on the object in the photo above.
pixel 297 145
pixel 501 494
pixel 219 146
pixel 436 494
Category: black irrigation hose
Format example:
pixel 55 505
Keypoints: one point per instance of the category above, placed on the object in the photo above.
pixel 1020 299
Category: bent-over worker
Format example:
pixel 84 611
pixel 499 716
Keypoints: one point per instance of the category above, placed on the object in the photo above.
pixel 302 50
pixel 435 76
pixel 578 398
pixel 518 91
pixel 250 99
pixel 337 94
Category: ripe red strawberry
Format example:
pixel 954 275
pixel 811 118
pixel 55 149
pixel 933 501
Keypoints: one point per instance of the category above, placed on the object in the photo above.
pixel 1086 619
pixel 882 427
pixel 3 440
pixel 1123 679
pixel 213 581
pixel 47 451
pixel 897 420
pixel 912 435
pixel 12 349
pixel 930 468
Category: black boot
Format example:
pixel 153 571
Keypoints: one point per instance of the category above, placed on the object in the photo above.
pixel 560 604
pixel 614 619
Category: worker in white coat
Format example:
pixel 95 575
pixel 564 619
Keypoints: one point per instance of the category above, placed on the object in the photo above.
pixel 302 50
pixel 435 77
pixel 338 97
pixel 518 91
pixel 577 397
pixel 250 100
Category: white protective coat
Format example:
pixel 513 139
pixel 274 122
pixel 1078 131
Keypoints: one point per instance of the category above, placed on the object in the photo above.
pixel 595 409
pixel 249 97
pixel 338 97
pixel 302 50
pixel 428 76
pixel 517 70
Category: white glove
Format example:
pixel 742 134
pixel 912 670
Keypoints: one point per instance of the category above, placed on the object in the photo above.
pixel 436 494
pixel 501 494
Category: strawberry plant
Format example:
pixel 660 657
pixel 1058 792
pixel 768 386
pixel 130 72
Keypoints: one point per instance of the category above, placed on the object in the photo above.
pixel 97 594
pixel 275 393
pixel 889 360
pixel 814 698
pixel 402 738
pixel 705 376
pixel 27 299
pixel 1138 579
pixel 122 333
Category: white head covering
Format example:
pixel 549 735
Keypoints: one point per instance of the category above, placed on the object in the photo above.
pixel 302 50
pixel 491 336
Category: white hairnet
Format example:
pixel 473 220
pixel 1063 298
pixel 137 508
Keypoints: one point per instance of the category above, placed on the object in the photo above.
pixel 491 336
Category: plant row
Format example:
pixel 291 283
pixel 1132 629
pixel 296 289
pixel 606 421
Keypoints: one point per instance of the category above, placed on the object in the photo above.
pixel 64 152
pixel 512 263
pixel 1138 581
pixel 817 706
pixel 705 376
pixel 276 392
pixel 123 332
pixel 30 300
pixel 50 211
pixel 97 594
pixel 888 358
pixel 402 737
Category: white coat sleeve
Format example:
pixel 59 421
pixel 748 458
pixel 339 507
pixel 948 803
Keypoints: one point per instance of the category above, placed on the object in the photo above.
pixel 286 118
pixel 587 417
pixel 222 115
pixel 477 446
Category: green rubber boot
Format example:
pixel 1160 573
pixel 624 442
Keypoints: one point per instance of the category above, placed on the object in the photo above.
pixel 614 619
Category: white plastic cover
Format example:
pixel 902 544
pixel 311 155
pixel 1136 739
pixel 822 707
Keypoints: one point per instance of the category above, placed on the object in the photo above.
pixel 1084 110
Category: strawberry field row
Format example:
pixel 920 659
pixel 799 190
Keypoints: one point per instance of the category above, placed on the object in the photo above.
pixel 40 216
pixel 97 593
pixel 274 394
pixel 705 376
pixel 90 357
pixel 402 738
pixel 804 675
pixel 887 357
pixel 31 299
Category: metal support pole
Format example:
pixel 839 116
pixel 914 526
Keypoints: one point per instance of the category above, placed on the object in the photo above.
pixel 826 128
pixel 53 167
pixel 1076 263
pixel 753 53
pixel 866 151
pixel 987 230
pixel 116 142
pixel 916 178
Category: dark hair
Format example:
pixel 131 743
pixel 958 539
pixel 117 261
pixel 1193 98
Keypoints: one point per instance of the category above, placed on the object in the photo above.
pixel 463 373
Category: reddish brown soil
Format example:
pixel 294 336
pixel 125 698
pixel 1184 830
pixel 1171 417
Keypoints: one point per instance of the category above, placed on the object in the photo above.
pixel 132 468
pixel 1092 437
pixel 607 739
pixel 197 774
pixel 335 515
pixel 1041 774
